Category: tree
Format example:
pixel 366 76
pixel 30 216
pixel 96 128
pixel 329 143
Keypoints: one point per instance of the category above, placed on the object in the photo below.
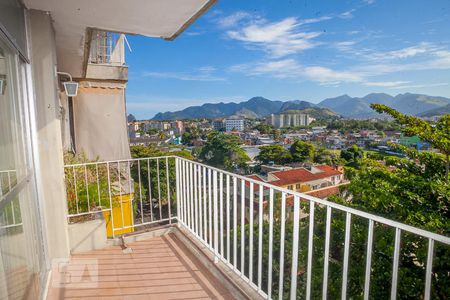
pixel 224 151
pixel 276 134
pixel 352 155
pixel 190 135
pixel 325 156
pixel 263 128
pixel 438 135
pixel 302 151
pixel 274 153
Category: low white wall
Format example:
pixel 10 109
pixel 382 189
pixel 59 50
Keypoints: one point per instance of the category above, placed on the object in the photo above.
pixel 87 236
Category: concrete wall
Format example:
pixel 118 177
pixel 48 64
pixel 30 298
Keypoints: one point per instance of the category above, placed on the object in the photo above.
pixel 50 148
pixel 87 236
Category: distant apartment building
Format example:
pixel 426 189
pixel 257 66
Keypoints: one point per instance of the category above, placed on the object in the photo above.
pixel 234 125
pixel 218 125
pixel 289 119
pixel 178 126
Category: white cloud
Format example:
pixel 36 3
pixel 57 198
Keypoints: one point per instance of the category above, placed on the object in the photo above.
pixel 201 74
pixel 233 19
pixel 408 52
pixel 369 1
pixel 328 76
pixel 278 38
pixel 291 69
pixel 390 84
pixel 416 86
pixel 347 14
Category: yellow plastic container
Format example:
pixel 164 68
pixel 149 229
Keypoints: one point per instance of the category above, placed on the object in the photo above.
pixel 127 208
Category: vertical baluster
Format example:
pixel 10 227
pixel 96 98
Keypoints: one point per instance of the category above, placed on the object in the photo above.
pixel 76 191
pixel 194 187
pixel 158 177
pixel 395 263
pixel 87 188
pixel 235 223
pixel 210 210
pixel 200 201
pixel 282 237
pixel 189 194
pixel 429 269
pixel 228 217
pixel 242 226
pixel 98 185
pixel 130 190
pixel 177 185
pixel 294 267
pixel 310 249
pixel 260 234
pixel 110 199
pixel 250 244
pixel 216 225
pixel 183 191
pixel 120 194
pixel 368 260
pixel 168 190
pixel 140 190
pixel 205 212
pixel 150 189
pixel 222 252
pixel 326 254
pixel 269 281
pixel 348 221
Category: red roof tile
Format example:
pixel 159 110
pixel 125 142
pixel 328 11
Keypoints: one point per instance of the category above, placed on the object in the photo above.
pixel 302 175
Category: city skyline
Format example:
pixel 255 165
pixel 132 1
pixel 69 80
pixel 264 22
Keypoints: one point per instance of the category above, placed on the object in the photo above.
pixel 302 50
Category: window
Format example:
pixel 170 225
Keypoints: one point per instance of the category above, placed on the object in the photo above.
pixel 21 249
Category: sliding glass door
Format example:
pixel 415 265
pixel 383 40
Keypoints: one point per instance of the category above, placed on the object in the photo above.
pixel 22 263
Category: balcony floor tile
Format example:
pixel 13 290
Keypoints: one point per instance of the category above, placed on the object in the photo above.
pixel 158 268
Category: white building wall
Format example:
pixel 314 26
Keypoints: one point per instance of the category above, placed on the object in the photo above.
pixel 50 147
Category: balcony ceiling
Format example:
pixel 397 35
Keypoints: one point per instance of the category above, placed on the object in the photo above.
pixel 154 18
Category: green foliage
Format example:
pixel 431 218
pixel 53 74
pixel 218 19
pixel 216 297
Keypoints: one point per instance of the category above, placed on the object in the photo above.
pixel 345 125
pixel 191 134
pixel 224 151
pixel 438 135
pixel 302 151
pixel 328 157
pixel 274 153
pixel 352 155
pixel 264 128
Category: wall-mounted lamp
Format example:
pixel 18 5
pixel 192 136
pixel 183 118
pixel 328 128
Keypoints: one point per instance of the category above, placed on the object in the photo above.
pixel 2 84
pixel 70 87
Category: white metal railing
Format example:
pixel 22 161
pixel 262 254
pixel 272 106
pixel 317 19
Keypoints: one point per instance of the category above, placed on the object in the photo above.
pixel 10 215
pixel 284 244
pixel 107 48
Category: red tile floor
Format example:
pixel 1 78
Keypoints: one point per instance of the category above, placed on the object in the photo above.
pixel 158 268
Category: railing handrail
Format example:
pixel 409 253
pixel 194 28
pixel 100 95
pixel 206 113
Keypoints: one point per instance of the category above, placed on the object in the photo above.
pixel 201 189
pixel 354 211
pixel 370 216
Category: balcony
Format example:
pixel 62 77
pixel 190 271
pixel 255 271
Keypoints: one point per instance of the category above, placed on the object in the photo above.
pixel 236 237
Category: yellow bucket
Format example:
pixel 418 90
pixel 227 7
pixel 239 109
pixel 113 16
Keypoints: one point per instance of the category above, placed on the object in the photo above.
pixel 127 208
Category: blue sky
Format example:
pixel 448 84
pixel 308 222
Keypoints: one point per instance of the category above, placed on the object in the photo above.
pixel 289 50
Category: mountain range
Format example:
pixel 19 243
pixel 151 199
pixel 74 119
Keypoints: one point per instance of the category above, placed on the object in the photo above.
pixel 345 106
